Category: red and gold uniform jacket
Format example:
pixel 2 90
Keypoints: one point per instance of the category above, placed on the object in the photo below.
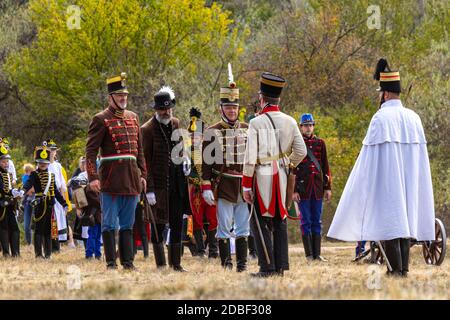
pixel 116 135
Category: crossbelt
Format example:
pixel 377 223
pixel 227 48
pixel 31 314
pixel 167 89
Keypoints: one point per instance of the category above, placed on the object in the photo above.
pixel 262 161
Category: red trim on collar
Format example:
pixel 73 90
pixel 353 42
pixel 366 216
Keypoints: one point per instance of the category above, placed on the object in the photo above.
pixel 270 108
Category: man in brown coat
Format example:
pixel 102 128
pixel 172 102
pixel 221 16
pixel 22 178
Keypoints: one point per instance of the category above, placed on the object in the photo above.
pixel 121 174
pixel 166 183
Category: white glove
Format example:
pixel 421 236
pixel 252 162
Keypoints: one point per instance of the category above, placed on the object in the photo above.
pixel 151 198
pixel 208 195
pixel 17 193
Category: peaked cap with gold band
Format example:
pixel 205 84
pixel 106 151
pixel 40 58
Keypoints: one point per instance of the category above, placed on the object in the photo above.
pixel 230 94
pixel 389 80
pixel 271 85
pixel 4 154
pixel 117 84
pixel 41 154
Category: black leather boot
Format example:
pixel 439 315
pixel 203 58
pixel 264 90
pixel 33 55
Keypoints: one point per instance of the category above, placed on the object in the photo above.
pixel 405 245
pixel 15 243
pixel 109 247
pixel 198 236
pixel 169 255
pixel 212 244
pixel 241 254
pixel 126 249
pixel 160 257
pixel 56 246
pixel 175 252
pixel 393 254
pixel 307 244
pixel 192 248
pixel 251 248
pixel 38 245
pixel 48 246
pixel 4 240
pixel 225 253
pixel 316 246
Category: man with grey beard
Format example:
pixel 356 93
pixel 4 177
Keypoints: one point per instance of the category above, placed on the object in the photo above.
pixel 166 183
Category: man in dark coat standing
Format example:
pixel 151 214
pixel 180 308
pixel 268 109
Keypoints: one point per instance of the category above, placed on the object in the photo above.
pixel 166 182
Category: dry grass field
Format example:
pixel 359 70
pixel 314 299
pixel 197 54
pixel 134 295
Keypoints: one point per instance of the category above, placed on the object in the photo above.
pixel 69 276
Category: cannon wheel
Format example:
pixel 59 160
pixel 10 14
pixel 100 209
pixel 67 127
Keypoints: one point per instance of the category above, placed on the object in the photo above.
pixel 376 257
pixel 434 251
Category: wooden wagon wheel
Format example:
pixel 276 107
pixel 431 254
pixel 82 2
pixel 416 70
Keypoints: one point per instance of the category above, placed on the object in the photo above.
pixel 434 251
pixel 376 257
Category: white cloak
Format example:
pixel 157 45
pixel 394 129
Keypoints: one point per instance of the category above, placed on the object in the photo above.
pixel 389 193
pixel 56 169
pixel 12 170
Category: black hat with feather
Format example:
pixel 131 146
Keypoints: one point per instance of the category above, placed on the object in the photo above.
pixel 389 80
pixel 196 124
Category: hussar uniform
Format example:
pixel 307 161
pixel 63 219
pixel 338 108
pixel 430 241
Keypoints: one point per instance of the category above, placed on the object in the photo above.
pixel 9 229
pixel 200 209
pixel 115 133
pixel 223 152
pixel 11 166
pixel 275 145
pixel 46 195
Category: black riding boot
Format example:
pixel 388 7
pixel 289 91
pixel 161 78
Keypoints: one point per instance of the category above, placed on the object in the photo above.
pixel 241 254
pixel 198 235
pixel 393 254
pixel 192 248
pixel 316 244
pixel 109 247
pixel 38 245
pixel 307 244
pixel 175 254
pixel 160 257
pixel 126 249
pixel 225 253
pixel 251 248
pixel 15 243
pixel 55 245
pixel 48 247
pixel 4 240
pixel 405 245
pixel 212 244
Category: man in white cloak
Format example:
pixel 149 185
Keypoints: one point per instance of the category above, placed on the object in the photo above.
pixel 389 194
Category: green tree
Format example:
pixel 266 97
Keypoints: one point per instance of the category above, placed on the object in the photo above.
pixel 62 74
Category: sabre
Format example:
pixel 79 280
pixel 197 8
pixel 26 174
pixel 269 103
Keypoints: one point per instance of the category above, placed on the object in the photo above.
pixel 263 241
pixel 384 256
pixel 152 217
pixel 153 222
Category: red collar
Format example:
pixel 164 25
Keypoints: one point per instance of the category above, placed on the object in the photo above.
pixel 270 108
